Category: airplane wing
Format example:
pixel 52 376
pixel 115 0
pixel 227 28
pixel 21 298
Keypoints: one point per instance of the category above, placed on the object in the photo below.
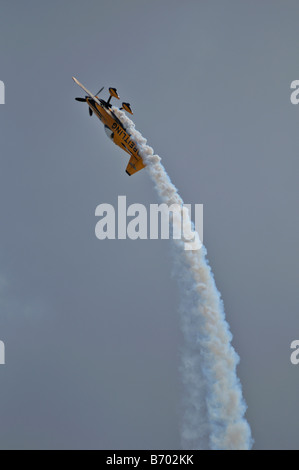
pixel 135 164
pixel 86 91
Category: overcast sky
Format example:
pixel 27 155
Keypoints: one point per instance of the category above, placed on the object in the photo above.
pixel 91 327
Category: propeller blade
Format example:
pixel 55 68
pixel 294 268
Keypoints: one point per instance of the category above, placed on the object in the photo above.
pixel 99 91
pixel 90 112
pixel 82 100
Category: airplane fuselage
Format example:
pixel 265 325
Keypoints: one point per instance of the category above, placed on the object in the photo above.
pixel 114 128
pixel 119 135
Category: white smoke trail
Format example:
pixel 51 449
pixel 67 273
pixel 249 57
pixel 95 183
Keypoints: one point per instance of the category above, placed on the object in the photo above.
pixel 214 406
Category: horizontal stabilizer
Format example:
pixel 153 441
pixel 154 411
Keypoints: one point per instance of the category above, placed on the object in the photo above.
pixel 127 107
pixel 113 92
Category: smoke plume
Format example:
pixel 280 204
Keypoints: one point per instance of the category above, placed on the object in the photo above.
pixel 214 408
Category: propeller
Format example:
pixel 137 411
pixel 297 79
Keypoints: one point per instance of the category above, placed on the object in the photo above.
pixel 99 91
pixel 83 100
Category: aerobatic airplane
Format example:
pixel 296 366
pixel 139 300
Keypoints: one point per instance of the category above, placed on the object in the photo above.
pixel 113 126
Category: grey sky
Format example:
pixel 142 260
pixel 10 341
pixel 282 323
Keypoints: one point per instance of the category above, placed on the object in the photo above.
pixel 91 327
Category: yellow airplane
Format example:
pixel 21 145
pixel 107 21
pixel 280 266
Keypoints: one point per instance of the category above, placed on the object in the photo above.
pixel 113 127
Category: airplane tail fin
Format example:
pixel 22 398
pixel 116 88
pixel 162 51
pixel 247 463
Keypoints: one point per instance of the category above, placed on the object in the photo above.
pixel 135 164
